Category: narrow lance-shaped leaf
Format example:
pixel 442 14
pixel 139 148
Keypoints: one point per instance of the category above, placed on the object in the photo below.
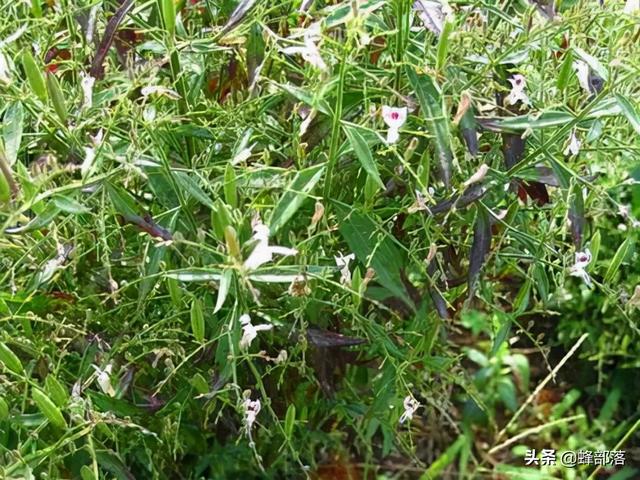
pixel 360 146
pixel 629 111
pixel 197 320
pixel 433 109
pixel 97 66
pixel 576 215
pixel 618 258
pixel 12 131
pixel 480 247
pixel 40 221
pixel 237 16
pixel 468 129
pixel 297 192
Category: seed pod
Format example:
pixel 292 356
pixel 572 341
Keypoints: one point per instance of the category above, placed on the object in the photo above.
pixel 10 359
pixel 57 98
pixel 197 320
pixel 56 390
pixel 48 408
pixel 34 76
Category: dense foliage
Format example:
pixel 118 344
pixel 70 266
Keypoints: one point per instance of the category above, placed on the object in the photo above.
pixel 317 239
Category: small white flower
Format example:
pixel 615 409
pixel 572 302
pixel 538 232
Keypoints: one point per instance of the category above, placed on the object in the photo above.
pixel 149 113
pixel 263 252
pixel 410 407
pixel 87 82
pixel 394 118
pixel 308 117
pixel 160 90
pixel 517 94
pixel 574 144
pixel 343 264
pixel 631 6
pixel 249 331
pixel 582 260
pixel 310 51
pixel 5 71
pixel 104 379
pixel 582 72
pixel 251 410
pixel 478 176
pixel 89 157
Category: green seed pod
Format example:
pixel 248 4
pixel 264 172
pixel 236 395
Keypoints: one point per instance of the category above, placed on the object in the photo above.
pixel 34 76
pixel 197 320
pixel 4 410
pixel 10 359
pixel 48 408
pixel 57 97
pixel 56 390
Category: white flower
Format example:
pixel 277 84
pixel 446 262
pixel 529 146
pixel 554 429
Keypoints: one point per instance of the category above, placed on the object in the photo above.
pixel 160 90
pixel 308 116
pixel 517 94
pixel 582 72
pixel 263 252
pixel 631 6
pixel 478 176
pixel 87 82
pixel 582 260
pixel 310 51
pixel 574 144
pixel 251 410
pixel 410 407
pixel 249 331
pixel 104 379
pixel 343 264
pixel 394 118
pixel 5 71
pixel 89 157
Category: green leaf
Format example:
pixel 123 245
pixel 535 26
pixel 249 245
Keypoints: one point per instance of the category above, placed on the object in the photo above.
pixel 12 131
pixel 565 71
pixel 40 221
pixel 443 43
pixel 444 460
pixel 373 246
pixel 629 111
pixel 48 408
pixel 187 182
pixel 223 289
pixel 56 390
pixel 10 359
pixel 122 201
pixel 360 146
pixel 289 421
pixel 230 187
pixel 4 410
pixel 618 258
pixel 169 16
pixel 197 320
pixel 434 112
pixel 34 75
pixel 296 193
pixel 69 205
pixel 593 62
pixel 86 473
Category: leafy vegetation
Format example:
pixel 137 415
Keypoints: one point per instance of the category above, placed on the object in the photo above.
pixel 318 239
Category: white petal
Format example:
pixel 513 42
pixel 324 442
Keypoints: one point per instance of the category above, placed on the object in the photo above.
pixel 631 6
pixel 392 136
pixel 478 176
pixel 582 72
pixel 89 157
